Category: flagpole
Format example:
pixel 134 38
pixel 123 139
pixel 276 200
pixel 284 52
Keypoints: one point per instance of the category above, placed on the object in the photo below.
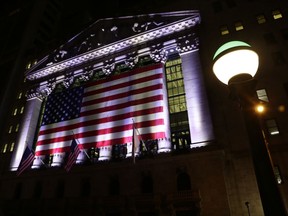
pixel 78 143
pixel 139 135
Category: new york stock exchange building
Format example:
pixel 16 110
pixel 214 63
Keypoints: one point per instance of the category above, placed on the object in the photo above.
pixel 130 93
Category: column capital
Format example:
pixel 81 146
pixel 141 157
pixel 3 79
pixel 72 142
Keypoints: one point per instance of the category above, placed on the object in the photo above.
pixel 42 91
pixel 158 54
pixel 187 43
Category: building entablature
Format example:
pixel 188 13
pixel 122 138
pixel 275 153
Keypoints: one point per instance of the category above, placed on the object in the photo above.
pixel 156 39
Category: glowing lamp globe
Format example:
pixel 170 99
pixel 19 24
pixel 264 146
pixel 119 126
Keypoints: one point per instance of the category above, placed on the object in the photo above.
pixel 235 58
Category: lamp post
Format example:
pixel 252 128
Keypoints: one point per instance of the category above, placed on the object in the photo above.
pixel 235 64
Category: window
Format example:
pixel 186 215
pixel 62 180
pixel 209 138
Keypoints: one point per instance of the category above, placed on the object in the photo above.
pixel 18 191
pixel 239 26
pixel 278 174
pixel 261 19
pixel 12 147
pixel 176 100
pixel 85 188
pixel 262 95
pixel 10 129
pixel 4 148
pixel 28 65
pixel 114 186
pixel 17 128
pixel 276 14
pixel 38 190
pixel 15 112
pixel 60 189
pixel 272 127
pixel 22 109
pixel 183 181
pixel 20 95
pixel 147 183
pixel 224 30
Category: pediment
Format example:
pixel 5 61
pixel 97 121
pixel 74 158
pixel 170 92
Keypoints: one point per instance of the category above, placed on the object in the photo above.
pixel 111 35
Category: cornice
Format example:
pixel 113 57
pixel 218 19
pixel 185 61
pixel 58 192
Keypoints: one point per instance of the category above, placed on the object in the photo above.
pixel 116 47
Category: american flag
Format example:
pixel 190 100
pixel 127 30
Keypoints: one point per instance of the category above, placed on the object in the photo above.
pixel 100 113
pixel 73 154
pixel 26 161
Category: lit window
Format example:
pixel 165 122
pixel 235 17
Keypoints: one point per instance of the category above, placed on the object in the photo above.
pixel 15 111
pixel 22 109
pixel 20 95
pixel 278 175
pixel 276 14
pixel 272 127
pixel 10 129
pixel 224 30
pixel 12 147
pixel 5 148
pixel 239 26
pixel 28 65
pixel 17 128
pixel 261 19
pixel 262 95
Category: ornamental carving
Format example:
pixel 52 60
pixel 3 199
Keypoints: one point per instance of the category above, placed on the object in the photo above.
pixel 132 60
pixel 68 80
pixel 108 67
pixel 159 55
pixel 187 43
pixel 87 74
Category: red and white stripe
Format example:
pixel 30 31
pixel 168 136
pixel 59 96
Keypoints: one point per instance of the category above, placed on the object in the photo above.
pixel 107 110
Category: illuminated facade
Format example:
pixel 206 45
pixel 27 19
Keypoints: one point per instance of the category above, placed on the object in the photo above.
pixel 151 41
pixel 153 71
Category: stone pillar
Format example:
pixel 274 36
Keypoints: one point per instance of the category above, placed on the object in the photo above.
pixel 200 122
pixel 105 153
pixel 82 157
pixel 27 130
pixel 58 159
pixel 159 54
pixel 129 150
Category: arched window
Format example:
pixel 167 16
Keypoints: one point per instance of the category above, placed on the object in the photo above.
pixel 114 186
pixel 147 183
pixel 183 181
pixel 85 188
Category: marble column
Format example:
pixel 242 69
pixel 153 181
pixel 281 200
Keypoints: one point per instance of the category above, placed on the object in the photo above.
pixel 27 130
pixel 200 122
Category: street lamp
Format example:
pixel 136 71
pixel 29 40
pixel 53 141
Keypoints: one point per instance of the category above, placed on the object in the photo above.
pixel 235 65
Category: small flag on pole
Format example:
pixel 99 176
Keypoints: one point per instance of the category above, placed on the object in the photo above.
pixel 135 142
pixel 26 161
pixel 73 154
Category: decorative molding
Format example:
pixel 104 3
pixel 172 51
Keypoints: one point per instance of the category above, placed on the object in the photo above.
pixel 159 55
pixel 131 60
pixel 68 80
pixel 108 67
pixel 43 91
pixel 118 46
pixel 187 43
pixel 87 74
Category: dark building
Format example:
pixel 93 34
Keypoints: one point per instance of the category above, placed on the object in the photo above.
pixel 158 133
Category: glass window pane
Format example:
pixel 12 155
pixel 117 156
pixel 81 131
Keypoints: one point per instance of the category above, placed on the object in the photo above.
pixel 261 19
pixel 276 14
